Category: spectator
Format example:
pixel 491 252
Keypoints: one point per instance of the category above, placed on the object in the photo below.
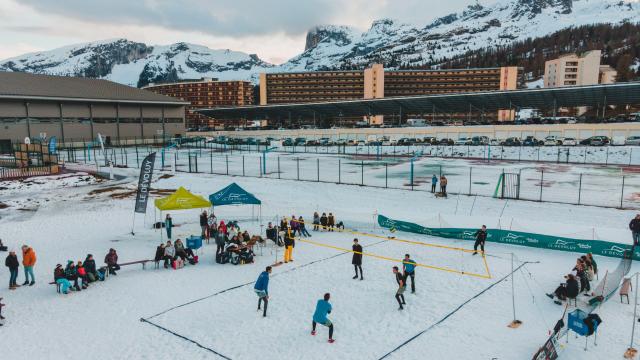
pixel 60 279
pixel 222 228
pixel 434 181
pixel 340 225
pixel 159 254
pixel 634 226
pixel 203 224
pixel 570 289
pixel 82 274
pixel 331 221
pixel 213 226
pixel 1 306
pixel 169 254
pixel 180 251
pixel 302 229
pixel 294 225
pixel 356 260
pixel 13 264
pixel 71 274
pixel 593 263
pixel 316 221
pixel 92 272
pixel 245 236
pixel 232 230
pixel 168 224
pixel 272 234
pixel 28 261
pixel 443 185
pixel 581 275
pixel 323 221
pixel 221 239
pixel 112 261
pixel 2 246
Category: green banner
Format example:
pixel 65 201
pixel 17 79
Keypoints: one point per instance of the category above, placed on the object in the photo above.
pixel 597 247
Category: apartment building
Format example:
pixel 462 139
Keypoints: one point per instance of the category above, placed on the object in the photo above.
pixel 206 93
pixel 578 69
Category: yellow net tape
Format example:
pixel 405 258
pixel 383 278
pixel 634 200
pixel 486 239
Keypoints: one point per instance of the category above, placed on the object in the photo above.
pixel 484 258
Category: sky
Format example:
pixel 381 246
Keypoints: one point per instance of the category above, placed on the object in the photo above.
pixel 275 30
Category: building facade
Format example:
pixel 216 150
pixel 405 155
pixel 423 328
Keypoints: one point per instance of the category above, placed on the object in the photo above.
pixel 206 93
pixel 78 109
pixel 574 69
pixel 376 82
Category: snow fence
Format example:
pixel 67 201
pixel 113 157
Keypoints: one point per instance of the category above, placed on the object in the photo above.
pixel 597 247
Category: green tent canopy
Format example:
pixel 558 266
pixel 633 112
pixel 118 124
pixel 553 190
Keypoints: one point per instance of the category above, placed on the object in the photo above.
pixel 182 199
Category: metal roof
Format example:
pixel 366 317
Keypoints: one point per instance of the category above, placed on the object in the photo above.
pixel 26 86
pixel 570 96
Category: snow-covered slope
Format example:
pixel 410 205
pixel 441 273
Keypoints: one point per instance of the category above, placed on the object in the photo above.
pixel 387 41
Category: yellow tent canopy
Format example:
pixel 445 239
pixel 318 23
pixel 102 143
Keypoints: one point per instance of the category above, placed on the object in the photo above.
pixel 182 199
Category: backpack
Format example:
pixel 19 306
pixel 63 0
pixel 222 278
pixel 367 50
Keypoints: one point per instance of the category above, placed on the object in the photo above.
pixel 246 257
pixel 234 259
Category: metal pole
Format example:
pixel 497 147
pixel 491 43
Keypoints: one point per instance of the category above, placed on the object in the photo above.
pixel 635 307
pixel 386 175
pixel 339 171
pixel 318 168
pixel 298 167
pixel 513 291
pixel 362 173
pixel 541 181
pixel 622 193
pixel 470 170
pixel 579 189
pixel 227 156
pixel 242 165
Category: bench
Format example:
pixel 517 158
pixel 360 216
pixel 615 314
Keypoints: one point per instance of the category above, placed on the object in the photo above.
pixel 143 262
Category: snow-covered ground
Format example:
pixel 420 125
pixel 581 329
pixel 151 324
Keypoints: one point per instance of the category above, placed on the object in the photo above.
pixel 103 322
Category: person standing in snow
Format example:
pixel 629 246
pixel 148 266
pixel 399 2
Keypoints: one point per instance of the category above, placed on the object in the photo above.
pixel 323 308
pixel 168 225
pixel 204 224
pixel 443 185
pixel 434 181
pixel 402 286
pixel 13 264
pixel 1 306
pixel 481 237
pixel 316 221
pixel 294 225
pixel 357 258
pixel 262 289
pixel 331 221
pixel 409 269
pixel 28 261
pixel 634 226
pixel 289 244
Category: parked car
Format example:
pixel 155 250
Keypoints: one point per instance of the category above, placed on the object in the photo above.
pixel 300 141
pixel 568 141
pixel 340 142
pixel 494 142
pixel 404 142
pixel 287 142
pixel 512 141
pixel 632 140
pixel 446 141
pixel 531 141
pixel 313 142
pixel 325 142
pixel 552 140
pixel 595 141
pixel 463 141
pixel 480 140
pixel 429 140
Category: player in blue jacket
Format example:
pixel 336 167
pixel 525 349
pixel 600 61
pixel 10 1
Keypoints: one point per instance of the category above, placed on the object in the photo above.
pixel 409 267
pixel 262 289
pixel 323 308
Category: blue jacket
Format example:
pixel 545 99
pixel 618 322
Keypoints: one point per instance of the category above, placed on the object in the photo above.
pixel 322 309
pixel 434 180
pixel 263 282
pixel 409 265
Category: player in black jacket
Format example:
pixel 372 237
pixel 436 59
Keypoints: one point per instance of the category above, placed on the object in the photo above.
pixel 357 258
pixel 481 237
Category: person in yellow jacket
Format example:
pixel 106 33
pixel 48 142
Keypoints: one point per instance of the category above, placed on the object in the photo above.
pixel 28 261
pixel 289 244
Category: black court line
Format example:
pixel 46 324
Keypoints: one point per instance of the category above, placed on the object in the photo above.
pixel 454 311
pixel 249 283
pixel 185 338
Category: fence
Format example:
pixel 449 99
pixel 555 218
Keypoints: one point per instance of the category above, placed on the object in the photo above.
pixel 17 173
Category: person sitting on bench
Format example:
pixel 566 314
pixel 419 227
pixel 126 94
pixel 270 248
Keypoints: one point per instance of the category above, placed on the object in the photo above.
pixel 245 236
pixel 159 254
pixel 570 289
pixel 180 250
pixel 71 274
pixel 60 279
pixel 235 240
pixel 112 261
pixel 90 268
pixel 272 234
pixel 169 254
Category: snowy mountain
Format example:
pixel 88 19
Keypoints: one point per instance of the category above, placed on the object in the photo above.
pixel 396 44
pixel 137 64
pixel 328 47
